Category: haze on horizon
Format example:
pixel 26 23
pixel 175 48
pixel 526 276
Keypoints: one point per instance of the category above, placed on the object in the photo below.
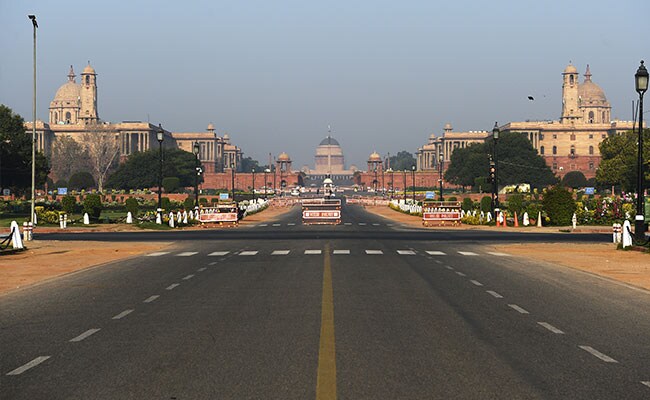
pixel 273 75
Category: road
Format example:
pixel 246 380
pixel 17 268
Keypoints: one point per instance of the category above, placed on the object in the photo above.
pixel 368 310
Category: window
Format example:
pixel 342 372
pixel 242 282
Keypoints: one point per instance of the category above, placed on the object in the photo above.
pixel 67 117
pixel 554 165
pixel 554 150
pixel 573 150
pixel 573 136
pixel 541 136
pixel 591 136
pixel 591 165
pixel 591 117
pixel 541 150
pixel 554 136
pixel 570 79
pixel 603 136
pixel 87 80
pixel 591 150
pixel 604 117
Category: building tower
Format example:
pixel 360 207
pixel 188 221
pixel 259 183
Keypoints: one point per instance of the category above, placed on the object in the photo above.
pixel 88 95
pixel 570 98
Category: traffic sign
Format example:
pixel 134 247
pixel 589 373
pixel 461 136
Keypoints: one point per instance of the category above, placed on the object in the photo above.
pixel 223 196
pixel 590 190
pixel 62 191
pixel 430 195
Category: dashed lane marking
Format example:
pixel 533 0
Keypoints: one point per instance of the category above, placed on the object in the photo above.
pixel 248 253
pixel 201 269
pixel 362 223
pixel 313 252
pixel 218 253
pixel 187 254
pixel 477 283
pixel 347 223
pixel 123 314
pixel 85 335
pixel 157 254
pixel 494 253
pixel 436 253
pixel 374 252
pixel 190 276
pixel 29 365
pixel 598 354
pixel 151 298
pixel 263 225
pixel 449 267
pixel 406 252
pixel 376 224
pixel 467 253
pixel 172 286
pixel 437 261
pixel 277 224
pixel 341 252
pixel 646 383
pixel 551 328
pixel 280 252
pixel 291 224
pixel 460 273
pixel 494 294
pixel 518 309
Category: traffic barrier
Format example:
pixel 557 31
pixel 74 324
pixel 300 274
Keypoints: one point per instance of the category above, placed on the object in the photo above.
pixel 616 233
pixel 516 220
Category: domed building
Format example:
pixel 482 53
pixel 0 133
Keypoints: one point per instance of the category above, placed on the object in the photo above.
pixel 329 157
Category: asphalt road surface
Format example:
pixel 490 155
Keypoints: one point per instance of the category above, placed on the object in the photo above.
pixel 365 310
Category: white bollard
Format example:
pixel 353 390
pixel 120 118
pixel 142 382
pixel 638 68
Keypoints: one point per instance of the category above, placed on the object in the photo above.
pixel 185 216
pixel 526 219
pixel 539 219
pixel 190 215
pixel 16 240
pixel 25 232
pixel 129 218
pixel 30 231
pixel 86 219
pixel 627 236
pixel 158 218
pixel 60 221
pixel 171 219
pixel 574 220
pixel 179 217
pixel 65 221
pixel 488 217
pixel 35 219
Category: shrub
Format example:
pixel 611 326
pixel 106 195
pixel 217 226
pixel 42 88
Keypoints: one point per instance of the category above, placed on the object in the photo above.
pixel 165 203
pixel 188 203
pixel 132 205
pixel 515 203
pixel 69 204
pixel 171 184
pixel 93 205
pixel 574 180
pixel 61 183
pixel 203 200
pixel 452 198
pixel 486 203
pixel 559 205
pixel 81 180
pixel 467 204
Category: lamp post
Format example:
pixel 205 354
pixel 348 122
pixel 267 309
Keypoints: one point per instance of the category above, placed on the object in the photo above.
pixel 440 161
pixel 266 182
pixel 392 189
pixel 413 180
pixel 495 184
pixel 197 149
pixel 232 177
pixel 641 83
pixel 35 25
pixel 160 137
pixel 254 198
pixel 375 181
pixel 404 180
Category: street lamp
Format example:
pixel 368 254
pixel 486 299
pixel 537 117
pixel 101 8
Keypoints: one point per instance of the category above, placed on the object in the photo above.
pixel 440 161
pixel 641 83
pixel 413 180
pixel 197 149
pixel 254 198
pixel 35 25
pixel 232 177
pixel 404 180
pixel 160 137
pixel 392 188
pixel 375 181
pixel 495 184
pixel 266 182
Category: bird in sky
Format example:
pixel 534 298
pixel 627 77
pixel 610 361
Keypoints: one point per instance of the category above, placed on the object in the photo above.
pixel 530 98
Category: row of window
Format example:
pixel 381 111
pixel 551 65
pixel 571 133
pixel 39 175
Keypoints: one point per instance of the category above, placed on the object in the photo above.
pixel 573 166
pixel 573 136
pixel 572 150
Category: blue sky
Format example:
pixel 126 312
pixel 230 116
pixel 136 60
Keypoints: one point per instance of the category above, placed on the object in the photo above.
pixel 274 74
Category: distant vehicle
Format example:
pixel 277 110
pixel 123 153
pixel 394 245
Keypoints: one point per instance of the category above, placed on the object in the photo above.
pixel 295 192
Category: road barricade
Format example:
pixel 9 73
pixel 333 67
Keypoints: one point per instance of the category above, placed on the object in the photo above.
pixel 222 214
pixel 321 211
pixel 437 213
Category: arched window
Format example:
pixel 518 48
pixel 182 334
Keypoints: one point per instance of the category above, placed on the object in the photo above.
pixel 87 80
pixel 541 150
pixel 56 117
pixel 591 150
pixel 67 117
pixel 570 79
pixel 591 117
pixel 573 150
pixel 554 149
pixel 604 117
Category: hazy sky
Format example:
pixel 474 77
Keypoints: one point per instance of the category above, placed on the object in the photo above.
pixel 273 74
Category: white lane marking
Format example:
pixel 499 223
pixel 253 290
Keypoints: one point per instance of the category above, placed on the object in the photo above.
pixel 449 267
pixel 263 225
pixel 646 383
pixel 477 283
pixel 467 253
pixel 436 253
pixel 29 365
pixel 362 223
pixel 190 276
pixel 201 269
pixel 313 251
pixel 187 253
pixel 85 335
pixel 123 314
pixel 213 263
pixel 280 252
pixel 157 254
pixel 173 285
pixel 551 328
pixel 374 252
pixel 151 298
pixel 375 224
pixel 276 224
pixel 598 354
pixel 291 224
pixel 495 253
pixel 494 294
pixel 519 309
pixel 460 273
pixel 406 252
pixel 248 253
pixel 390 224
pixel 218 253
pixel 347 223
pixel 341 252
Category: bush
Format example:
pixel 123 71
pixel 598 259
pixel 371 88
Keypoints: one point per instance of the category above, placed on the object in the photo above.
pixel 203 200
pixel 559 205
pixel 452 198
pixel 93 205
pixel 61 183
pixel 165 203
pixel 486 203
pixel 515 203
pixel 467 204
pixel 69 204
pixel 171 184
pixel 81 180
pixel 188 203
pixel 574 180
pixel 132 205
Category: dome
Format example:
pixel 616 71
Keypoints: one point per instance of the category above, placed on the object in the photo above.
pixel 329 141
pixel 448 126
pixel 374 157
pixel 283 157
pixel 69 91
pixel 590 92
pixel 88 70
pixel 570 69
pixel 210 126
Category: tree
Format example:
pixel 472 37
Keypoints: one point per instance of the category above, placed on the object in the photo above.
pixel 92 204
pixel 67 157
pixel 141 169
pixel 171 184
pixel 248 164
pixel 574 180
pixel 403 160
pixel 103 149
pixel 559 205
pixel 81 180
pixel 618 165
pixel 16 154
pixel 467 164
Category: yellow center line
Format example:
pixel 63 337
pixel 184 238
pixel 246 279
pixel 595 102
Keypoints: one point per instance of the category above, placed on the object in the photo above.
pixel 326 382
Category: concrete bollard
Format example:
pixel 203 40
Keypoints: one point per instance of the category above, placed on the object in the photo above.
pixel 539 219
pixel 158 218
pixel 86 219
pixel 526 219
pixel 65 221
pixel 627 234
pixel 25 232
pixel 129 218
pixel 179 217
pixel 185 216
pixel 616 233
pixel 60 221
pixel 16 240
pixel 574 221
pixel 171 219
pixel 30 231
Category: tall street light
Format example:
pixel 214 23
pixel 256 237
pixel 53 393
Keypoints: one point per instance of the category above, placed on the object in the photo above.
pixel 440 161
pixel 232 178
pixel 254 197
pixel 160 137
pixel 375 181
pixel 641 83
pixel 197 149
pixel 495 184
pixel 35 25
pixel 404 180
pixel 413 180
pixel 266 182
pixel 392 188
